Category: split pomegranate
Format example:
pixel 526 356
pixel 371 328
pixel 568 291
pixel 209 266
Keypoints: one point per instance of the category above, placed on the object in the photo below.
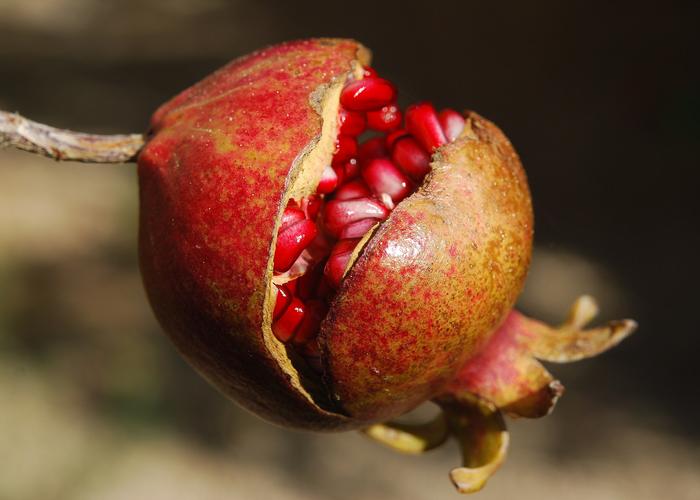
pixel 331 261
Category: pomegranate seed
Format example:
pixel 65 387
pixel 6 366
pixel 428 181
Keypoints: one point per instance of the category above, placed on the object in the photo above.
pixel 452 123
pixel 340 213
pixel 311 205
pixel 367 94
pixel 291 242
pixel 339 171
pixel 372 148
pixel 357 229
pixel 382 176
pixel 370 72
pixel 284 297
pixel 351 169
pixel 315 312
pixel 338 261
pixel 351 122
pixel 286 325
pixel 315 252
pixel 291 215
pixel 328 182
pixel 412 158
pixel 385 119
pixel 395 136
pixel 344 246
pixel 351 190
pixel 422 122
pixel 345 148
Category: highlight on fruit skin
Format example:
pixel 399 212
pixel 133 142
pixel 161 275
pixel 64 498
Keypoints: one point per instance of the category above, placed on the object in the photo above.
pixel 330 260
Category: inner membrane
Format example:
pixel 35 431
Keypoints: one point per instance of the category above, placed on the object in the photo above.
pixel 382 155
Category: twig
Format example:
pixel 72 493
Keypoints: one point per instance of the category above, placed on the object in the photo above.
pixel 66 145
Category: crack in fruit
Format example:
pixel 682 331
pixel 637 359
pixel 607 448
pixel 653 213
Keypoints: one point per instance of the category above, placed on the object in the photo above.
pixel 360 188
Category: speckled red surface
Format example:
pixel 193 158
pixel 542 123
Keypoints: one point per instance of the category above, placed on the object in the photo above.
pixel 212 178
pixel 434 281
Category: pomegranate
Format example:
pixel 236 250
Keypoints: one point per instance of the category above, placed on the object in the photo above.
pixel 331 261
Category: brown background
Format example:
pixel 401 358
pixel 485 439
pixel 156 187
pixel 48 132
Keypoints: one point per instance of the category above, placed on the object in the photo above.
pixel 603 104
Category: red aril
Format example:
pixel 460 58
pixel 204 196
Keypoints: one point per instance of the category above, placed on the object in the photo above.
pixel 338 260
pixel 367 94
pixel 372 148
pixel 382 176
pixel 395 136
pixel 357 229
pixel 311 205
pixel 452 123
pixel 351 122
pixel 329 181
pixel 351 169
pixel 351 190
pixel 286 325
pixel 339 172
pixel 422 122
pixel 284 297
pixel 291 241
pixel 385 119
pixel 411 157
pixel 339 213
pixel 291 215
pixel 308 329
pixel 346 148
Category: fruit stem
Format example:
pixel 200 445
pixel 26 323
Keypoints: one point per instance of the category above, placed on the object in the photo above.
pixel 66 145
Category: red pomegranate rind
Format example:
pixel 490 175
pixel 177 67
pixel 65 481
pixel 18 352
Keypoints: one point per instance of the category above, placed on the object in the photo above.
pixel 434 281
pixel 507 371
pixel 212 179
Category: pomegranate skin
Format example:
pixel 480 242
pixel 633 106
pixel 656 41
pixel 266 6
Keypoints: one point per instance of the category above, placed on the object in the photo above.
pixel 208 211
pixel 434 281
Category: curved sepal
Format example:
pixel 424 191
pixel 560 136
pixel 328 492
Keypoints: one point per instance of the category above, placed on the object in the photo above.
pixel 481 433
pixel 570 341
pixel 410 438
pixel 506 372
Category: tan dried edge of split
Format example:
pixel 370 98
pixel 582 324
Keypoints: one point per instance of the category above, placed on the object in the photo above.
pixel 303 179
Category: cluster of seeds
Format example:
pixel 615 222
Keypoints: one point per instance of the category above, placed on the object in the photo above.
pixel 365 181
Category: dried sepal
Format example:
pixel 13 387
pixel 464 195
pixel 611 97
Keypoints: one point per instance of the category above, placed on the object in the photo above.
pixel 474 422
pixel 481 433
pixel 413 439
pixel 506 372
pixel 570 341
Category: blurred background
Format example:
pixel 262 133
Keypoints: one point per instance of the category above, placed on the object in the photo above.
pixel 603 104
